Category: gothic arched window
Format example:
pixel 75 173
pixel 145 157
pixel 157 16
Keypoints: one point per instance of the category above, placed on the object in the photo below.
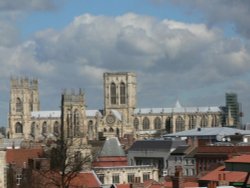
pixel 113 93
pixel 32 129
pixel 19 127
pixel 203 121
pixel 168 125
pixel 145 123
pixel 122 93
pixel 90 128
pixel 214 121
pixel 44 128
pixel 19 105
pixel 117 132
pixel 136 123
pixel 157 123
pixel 76 122
pixel 56 128
pixel 76 117
pixel 192 122
pixel 179 124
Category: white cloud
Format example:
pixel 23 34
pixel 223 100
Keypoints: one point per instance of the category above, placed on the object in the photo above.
pixel 170 57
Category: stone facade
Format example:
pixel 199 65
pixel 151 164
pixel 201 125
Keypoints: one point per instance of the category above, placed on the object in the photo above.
pixel 3 174
pixel 119 117
pixel 126 174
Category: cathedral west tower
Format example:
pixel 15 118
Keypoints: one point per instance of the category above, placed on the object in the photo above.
pixel 24 98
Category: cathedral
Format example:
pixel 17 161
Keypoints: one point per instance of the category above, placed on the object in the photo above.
pixel 119 117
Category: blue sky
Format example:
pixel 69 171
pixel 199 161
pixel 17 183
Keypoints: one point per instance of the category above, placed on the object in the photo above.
pixel 67 10
pixel 193 50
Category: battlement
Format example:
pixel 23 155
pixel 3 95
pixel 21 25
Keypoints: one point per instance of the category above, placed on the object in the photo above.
pixel 24 83
pixel 73 96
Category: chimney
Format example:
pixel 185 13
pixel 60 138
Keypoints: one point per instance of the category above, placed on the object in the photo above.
pixel 177 179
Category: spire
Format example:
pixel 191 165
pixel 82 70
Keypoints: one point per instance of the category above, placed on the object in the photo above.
pixel 177 104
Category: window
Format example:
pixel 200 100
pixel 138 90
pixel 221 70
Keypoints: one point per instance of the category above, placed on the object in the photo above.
pixel 78 157
pixel 157 123
pixel 192 172
pixel 115 178
pixel 90 128
pixel 192 122
pixel 76 123
pixel 131 178
pixel 186 172
pixel 168 125
pixel 44 128
pixel 19 105
pixel 32 129
pixel 101 177
pixel 136 123
pixel 38 165
pixel 146 176
pixel 145 123
pixel 214 121
pixel 203 121
pixel 179 124
pixel 122 93
pixel 18 179
pixel 19 127
pixel 56 128
pixel 113 93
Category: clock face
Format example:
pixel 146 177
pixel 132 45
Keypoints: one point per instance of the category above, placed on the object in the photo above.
pixel 110 119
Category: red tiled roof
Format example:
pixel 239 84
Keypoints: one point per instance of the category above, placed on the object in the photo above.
pixel 223 149
pixel 19 156
pixel 86 179
pixel 169 184
pixel 219 174
pixel 123 185
pixel 110 161
pixel 82 179
pixel 240 159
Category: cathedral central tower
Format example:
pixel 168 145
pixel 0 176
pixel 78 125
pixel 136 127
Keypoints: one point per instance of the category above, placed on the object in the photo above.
pixel 120 94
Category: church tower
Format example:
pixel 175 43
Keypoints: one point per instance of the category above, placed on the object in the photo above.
pixel 73 110
pixel 120 94
pixel 24 98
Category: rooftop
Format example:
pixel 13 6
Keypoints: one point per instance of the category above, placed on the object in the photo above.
pixel 112 147
pixel 210 131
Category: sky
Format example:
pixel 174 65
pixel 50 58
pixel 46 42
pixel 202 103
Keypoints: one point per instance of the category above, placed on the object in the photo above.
pixel 191 50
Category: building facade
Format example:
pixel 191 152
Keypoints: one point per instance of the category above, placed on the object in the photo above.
pixel 126 174
pixel 119 116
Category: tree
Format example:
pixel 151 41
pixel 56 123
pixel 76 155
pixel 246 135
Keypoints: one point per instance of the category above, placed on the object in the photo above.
pixel 68 155
pixel 67 158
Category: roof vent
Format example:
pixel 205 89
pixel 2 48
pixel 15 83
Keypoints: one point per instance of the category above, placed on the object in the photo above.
pixel 198 129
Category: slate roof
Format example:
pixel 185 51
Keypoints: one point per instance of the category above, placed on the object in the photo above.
pixel 178 108
pixel 152 145
pixel 57 114
pixel 46 114
pixel 211 131
pixel 112 147
pixel 180 150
